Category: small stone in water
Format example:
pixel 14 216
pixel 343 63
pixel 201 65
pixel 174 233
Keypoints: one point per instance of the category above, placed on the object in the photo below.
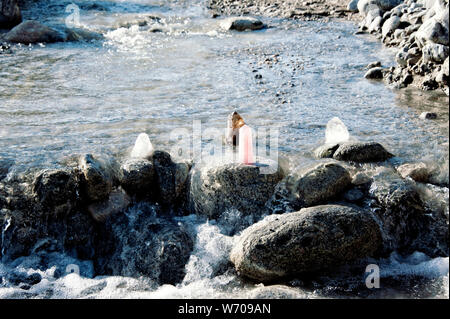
pixel 336 132
pixel 428 116
pixel 143 148
pixel 373 65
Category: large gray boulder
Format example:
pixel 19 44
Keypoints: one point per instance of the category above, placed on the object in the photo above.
pixel 315 185
pixel 370 17
pixel 375 25
pixel 242 24
pixel 218 186
pixel 33 32
pixel 434 31
pixel 311 239
pixel 309 186
pixel 416 171
pixel 10 14
pixel 361 152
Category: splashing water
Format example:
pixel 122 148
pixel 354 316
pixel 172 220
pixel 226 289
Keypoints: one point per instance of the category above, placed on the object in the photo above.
pixel 143 148
pixel 210 253
pixel 8 223
pixel 336 132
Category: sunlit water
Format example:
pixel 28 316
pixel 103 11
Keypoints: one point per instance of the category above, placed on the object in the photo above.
pixel 57 100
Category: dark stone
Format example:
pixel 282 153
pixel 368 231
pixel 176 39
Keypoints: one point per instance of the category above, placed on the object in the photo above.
pixel 117 202
pixel 407 226
pixel 354 195
pixel 140 244
pixel 428 116
pixel 361 152
pixel 56 190
pixel 33 32
pixel 326 150
pixel 17 278
pixel 242 24
pixel 10 14
pixel 171 179
pixel 137 177
pixel 374 73
pixel 96 182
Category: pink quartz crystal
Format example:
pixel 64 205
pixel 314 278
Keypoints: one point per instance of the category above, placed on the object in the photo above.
pixel 246 145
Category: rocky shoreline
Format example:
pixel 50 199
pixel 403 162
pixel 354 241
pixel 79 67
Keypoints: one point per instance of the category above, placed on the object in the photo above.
pixel 123 216
pixel 417 28
pixel 306 10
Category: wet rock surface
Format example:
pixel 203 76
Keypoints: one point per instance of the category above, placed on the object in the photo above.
pixel 141 244
pixel 354 152
pixel 56 190
pixel 137 177
pixel 33 32
pixel 242 24
pixel 218 187
pixel 407 225
pixel 276 292
pixel 374 73
pixel 96 181
pixel 10 14
pixel 312 238
pixel 310 186
pixel 171 179
pixel 417 171
pixel 5 165
pixel 361 152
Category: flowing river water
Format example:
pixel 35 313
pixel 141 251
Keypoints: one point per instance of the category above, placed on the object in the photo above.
pixel 96 96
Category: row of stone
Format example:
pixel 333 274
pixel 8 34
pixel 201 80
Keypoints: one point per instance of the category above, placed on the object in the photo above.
pixel 50 214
